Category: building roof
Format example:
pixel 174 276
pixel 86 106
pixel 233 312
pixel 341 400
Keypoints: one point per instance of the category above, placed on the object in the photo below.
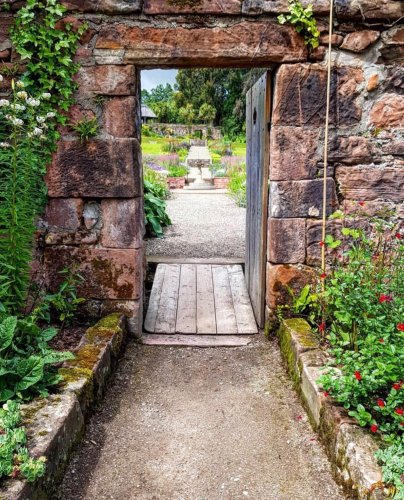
pixel 147 112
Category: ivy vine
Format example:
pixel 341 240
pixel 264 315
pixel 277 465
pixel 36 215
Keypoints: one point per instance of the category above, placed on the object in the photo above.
pixel 47 47
pixel 303 21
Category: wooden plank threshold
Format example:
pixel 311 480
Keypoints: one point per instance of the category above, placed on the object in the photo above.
pixel 197 340
pixel 226 261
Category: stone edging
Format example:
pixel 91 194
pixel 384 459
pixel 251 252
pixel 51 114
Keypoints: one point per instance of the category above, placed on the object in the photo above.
pixel 55 425
pixel 349 447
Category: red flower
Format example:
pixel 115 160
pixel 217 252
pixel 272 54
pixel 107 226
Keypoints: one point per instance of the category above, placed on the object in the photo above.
pixel 397 386
pixel 374 428
pixel 402 424
pixel 326 394
pixel 358 375
pixel 321 243
pixel 381 341
pixel 399 236
pixel 381 403
pixel 322 326
pixel 323 276
pixel 400 326
pixel 385 298
pixel 399 411
pixel 361 203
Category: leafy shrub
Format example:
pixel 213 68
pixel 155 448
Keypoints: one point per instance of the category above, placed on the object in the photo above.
pixel 26 360
pixel 238 185
pixel 86 128
pixel 364 322
pixel 158 180
pixel 177 171
pixel 14 458
pixel 304 22
pixel 156 217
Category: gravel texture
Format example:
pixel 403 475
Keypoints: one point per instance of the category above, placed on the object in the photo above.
pixel 204 226
pixel 200 424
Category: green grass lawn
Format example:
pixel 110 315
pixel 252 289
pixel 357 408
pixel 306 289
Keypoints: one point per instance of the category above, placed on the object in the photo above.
pixel 153 145
pixel 239 149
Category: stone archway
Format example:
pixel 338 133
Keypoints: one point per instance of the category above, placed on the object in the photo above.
pixel 95 216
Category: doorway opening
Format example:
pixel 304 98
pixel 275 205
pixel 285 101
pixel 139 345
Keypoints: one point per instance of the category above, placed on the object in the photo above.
pixel 205 162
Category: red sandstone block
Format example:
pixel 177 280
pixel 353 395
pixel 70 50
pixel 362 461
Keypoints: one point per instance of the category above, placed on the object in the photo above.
pixel 105 6
pixel 359 41
pixel 245 42
pixel 388 112
pixel 367 183
pixel 295 199
pixel 107 80
pixel 294 153
pixel 287 241
pixel 350 150
pixel 369 9
pixel 123 223
pixel 107 273
pixel 95 169
pixel 300 96
pixel 120 116
pixel 64 213
pixel 281 6
pixel 282 278
pixel 203 7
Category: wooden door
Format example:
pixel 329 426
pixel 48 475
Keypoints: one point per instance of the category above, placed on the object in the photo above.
pixel 258 119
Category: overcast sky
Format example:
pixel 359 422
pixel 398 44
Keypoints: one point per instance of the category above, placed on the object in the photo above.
pixel 152 77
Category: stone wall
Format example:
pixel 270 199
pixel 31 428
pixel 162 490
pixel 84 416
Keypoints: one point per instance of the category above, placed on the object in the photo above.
pixel 95 213
pixel 178 130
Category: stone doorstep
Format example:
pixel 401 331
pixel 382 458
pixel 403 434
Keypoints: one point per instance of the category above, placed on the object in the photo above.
pixel 56 425
pixel 349 447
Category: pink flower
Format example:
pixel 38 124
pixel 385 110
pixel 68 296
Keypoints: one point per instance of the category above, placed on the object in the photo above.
pixel 400 327
pixel 358 375
pixel 381 403
pixel 385 298
pixel 374 428
pixel 399 411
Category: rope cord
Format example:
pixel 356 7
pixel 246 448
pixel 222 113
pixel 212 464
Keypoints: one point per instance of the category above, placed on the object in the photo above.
pixel 326 143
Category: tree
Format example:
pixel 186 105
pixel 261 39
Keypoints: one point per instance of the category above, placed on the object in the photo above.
pixel 207 113
pixel 187 114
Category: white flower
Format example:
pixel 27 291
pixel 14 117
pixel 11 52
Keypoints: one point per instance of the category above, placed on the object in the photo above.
pixel 20 84
pixel 4 103
pixel 15 121
pixel 33 102
pixel 22 94
pixel 50 115
pixel 19 107
pixel 37 131
pixel 46 95
pixel 4 145
pixel 40 119
pixel 1 78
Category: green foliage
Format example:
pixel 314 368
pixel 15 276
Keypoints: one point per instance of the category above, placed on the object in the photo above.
pixel 303 21
pixel 187 114
pixel 159 181
pixel 86 128
pixel 174 171
pixel 23 194
pixel 156 217
pixel 363 319
pixel 238 185
pixel 14 457
pixel 62 305
pixel 26 359
pixel 47 51
pixel 207 113
pixel 392 461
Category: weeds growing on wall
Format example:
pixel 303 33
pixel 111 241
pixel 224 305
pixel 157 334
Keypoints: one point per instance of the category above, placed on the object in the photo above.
pixel 304 22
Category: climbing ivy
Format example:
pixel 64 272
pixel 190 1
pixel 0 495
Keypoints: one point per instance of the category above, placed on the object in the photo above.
pixel 47 46
pixel 304 22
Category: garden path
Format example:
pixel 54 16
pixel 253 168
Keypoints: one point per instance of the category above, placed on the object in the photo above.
pixel 194 424
pixel 205 225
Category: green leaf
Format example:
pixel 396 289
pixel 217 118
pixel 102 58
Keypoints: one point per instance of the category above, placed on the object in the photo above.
pixel 7 331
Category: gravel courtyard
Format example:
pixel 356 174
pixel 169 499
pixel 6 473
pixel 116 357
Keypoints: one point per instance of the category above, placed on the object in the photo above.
pixel 205 225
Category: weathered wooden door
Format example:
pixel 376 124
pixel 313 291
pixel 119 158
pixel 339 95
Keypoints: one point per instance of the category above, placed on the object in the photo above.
pixel 258 118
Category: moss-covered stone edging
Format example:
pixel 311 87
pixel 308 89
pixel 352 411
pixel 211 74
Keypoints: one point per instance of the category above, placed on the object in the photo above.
pixel 56 424
pixel 350 448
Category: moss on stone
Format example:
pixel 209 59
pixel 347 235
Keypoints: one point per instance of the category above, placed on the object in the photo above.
pixel 105 329
pixel 29 412
pixel 43 433
pixel 303 332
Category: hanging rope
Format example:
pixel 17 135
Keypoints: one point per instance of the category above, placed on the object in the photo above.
pixel 326 142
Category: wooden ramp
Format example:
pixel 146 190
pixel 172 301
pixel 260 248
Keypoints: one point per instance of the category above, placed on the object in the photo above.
pixel 199 299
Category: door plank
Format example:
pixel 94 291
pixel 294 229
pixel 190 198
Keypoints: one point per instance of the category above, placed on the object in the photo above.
pixel 225 315
pixel 186 311
pixel 258 116
pixel 154 301
pixel 245 318
pixel 206 317
pixel 167 313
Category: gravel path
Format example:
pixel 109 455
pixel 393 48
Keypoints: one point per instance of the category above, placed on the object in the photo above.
pixel 204 225
pixel 200 424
